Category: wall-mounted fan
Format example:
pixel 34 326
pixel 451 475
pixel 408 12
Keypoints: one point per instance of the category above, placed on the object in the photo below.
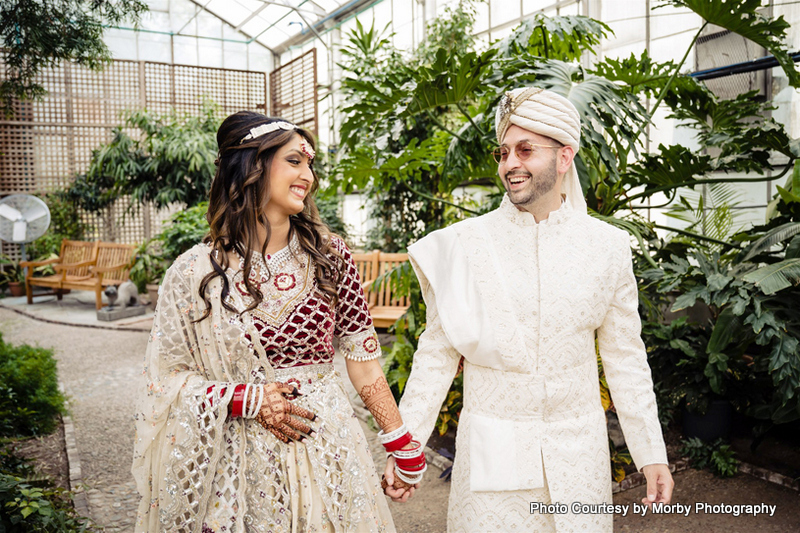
pixel 23 218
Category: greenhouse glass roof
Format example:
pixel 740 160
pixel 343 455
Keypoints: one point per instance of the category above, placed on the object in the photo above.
pixel 273 23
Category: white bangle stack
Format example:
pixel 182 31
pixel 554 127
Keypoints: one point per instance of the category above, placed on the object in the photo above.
pixel 409 464
pixel 251 403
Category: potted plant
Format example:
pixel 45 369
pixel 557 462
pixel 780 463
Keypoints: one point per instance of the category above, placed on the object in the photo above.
pixel 148 269
pixel 13 276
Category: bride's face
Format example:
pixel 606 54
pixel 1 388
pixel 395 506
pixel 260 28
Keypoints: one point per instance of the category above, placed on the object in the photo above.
pixel 290 179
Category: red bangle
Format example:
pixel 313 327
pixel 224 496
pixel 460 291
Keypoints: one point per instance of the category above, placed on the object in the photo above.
pixel 410 470
pixel 398 443
pixel 238 400
pixel 410 462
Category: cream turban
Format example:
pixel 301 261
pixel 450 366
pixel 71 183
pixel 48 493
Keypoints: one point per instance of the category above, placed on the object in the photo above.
pixel 549 114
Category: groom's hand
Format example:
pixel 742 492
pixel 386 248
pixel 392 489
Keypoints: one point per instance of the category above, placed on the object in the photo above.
pixel 396 489
pixel 659 484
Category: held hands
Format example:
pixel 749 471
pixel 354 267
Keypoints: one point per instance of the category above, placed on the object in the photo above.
pixel 276 410
pixel 394 487
pixel 659 484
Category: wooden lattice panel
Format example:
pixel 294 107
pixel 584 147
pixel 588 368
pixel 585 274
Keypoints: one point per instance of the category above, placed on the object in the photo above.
pixel 49 142
pixel 293 91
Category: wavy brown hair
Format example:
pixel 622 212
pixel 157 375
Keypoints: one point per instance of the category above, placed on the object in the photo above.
pixel 240 190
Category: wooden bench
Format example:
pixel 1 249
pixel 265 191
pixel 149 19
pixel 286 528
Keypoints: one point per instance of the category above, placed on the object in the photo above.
pixel 82 265
pixel 384 306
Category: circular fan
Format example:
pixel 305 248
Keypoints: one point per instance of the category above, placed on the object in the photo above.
pixel 23 218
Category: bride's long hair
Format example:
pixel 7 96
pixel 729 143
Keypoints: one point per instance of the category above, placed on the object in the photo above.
pixel 239 192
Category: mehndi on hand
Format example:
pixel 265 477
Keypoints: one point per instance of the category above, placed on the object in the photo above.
pixel 276 410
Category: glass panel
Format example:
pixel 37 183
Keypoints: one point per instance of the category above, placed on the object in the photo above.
pixel 210 53
pixel 503 12
pixel 185 49
pixel 573 9
pixel 208 25
pixel 481 17
pixel 231 12
pixel 121 43
pixel 154 47
pixel 235 56
pixel 273 37
pixel 156 20
pixel 531 6
pixel 402 15
pixel 328 5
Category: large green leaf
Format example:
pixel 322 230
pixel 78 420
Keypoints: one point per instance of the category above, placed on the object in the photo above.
pixel 742 17
pixel 450 80
pixel 771 238
pixel 773 278
pixel 637 74
pixel 564 38
pixel 725 330
pixel 671 165
pixel 609 114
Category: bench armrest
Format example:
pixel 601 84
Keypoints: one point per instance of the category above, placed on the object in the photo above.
pixel 34 264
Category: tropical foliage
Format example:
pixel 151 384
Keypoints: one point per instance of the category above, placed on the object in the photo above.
pixel 36 35
pixel 418 130
pixel 169 159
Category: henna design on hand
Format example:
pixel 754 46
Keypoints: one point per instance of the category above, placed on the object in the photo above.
pixel 398 483
pixel 379 401
pixel 275 414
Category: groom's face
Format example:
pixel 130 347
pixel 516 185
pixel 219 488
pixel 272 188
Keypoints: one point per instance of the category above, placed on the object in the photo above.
pixel 530 172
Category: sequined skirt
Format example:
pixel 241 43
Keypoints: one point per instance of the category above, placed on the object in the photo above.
pixel 327 483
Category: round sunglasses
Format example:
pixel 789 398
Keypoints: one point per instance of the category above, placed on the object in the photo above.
pixel 523 150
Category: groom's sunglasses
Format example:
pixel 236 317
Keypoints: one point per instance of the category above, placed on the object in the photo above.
pixel 523 150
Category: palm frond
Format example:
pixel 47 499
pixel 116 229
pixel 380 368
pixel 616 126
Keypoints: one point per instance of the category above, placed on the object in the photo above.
pixel 773 278
pixel 771 238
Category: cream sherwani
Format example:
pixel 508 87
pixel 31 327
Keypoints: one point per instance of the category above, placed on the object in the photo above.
pixel 523 303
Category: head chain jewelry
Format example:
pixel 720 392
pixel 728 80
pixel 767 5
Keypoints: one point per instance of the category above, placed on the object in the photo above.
pixel 263 129
pixel 268 128
pixel 306 148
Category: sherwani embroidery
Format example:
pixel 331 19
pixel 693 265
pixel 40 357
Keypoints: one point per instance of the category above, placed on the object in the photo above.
pixel 523 303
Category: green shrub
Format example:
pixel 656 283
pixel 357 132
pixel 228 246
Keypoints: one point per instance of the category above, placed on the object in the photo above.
pixel 185 229
pixel 29 397
pixel 36 507
pixel 716 456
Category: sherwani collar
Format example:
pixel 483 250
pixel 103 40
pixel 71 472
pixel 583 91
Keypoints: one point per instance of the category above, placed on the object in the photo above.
pixel 523 218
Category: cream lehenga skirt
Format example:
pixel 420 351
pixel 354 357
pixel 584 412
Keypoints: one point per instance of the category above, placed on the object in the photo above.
pixel 326 484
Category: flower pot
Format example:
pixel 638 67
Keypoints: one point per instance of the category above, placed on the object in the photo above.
pixel 16 288
pixel 152 293
pixel 714 424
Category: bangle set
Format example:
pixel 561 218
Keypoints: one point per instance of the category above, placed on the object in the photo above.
pixel 247 399
pixel 409 463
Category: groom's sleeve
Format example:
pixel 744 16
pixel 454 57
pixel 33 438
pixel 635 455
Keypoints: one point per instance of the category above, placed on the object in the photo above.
pixel 433 369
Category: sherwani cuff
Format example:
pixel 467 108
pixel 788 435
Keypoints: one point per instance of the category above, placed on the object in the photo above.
pixel 650 457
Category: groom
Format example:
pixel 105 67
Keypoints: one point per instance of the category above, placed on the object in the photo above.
pixel 529 294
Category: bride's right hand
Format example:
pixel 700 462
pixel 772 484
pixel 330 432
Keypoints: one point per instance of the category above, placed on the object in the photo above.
pixel 276 411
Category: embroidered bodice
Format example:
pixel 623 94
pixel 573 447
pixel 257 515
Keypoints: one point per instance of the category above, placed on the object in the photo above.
pixel 295 321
